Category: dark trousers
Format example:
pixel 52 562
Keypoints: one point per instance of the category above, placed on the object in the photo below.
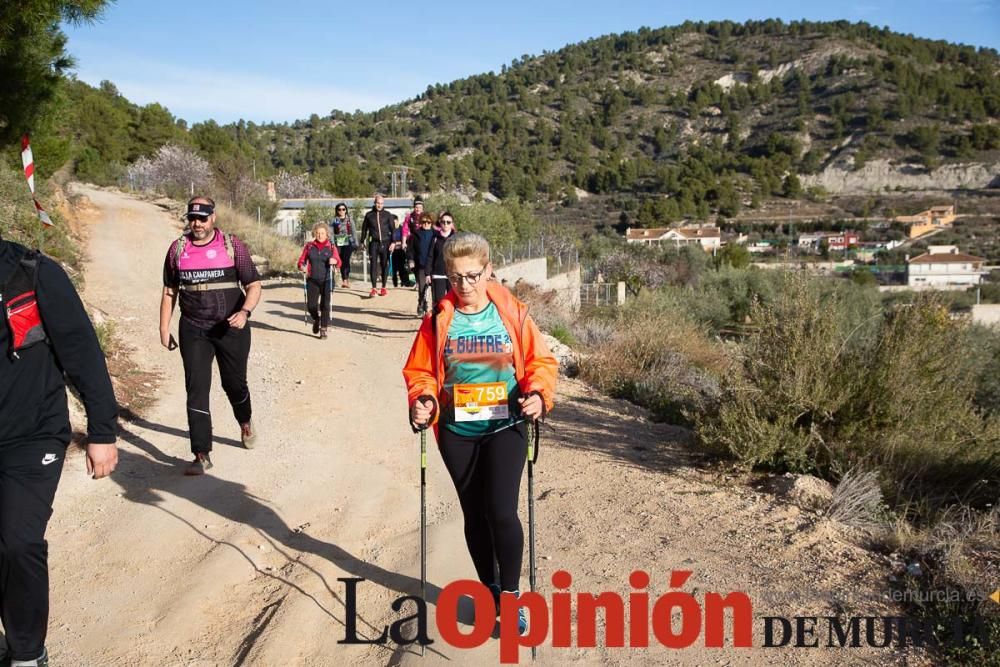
pixel 487 471
pixel 400 274
pixel 345 260
pixel 29 475
pixel 422 289
pixel 440 287
pixel 319 297
pixel 378 258
pixel 229 347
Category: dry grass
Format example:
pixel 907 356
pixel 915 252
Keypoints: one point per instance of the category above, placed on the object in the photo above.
pixel 281 252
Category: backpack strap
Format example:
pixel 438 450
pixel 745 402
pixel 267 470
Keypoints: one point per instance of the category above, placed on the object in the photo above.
pixel 179 249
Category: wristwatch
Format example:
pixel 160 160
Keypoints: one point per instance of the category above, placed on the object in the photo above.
pixel 244 310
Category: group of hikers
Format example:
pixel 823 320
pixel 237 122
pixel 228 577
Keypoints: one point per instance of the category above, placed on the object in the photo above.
pixel 410 250
pixel 477 372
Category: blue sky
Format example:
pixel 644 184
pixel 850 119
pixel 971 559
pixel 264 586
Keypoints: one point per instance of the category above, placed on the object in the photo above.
pixel 278 61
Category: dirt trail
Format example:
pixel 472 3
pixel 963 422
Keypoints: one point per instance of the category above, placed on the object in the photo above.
pixel 240 567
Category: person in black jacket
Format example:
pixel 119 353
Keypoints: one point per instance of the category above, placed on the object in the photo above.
pixel 435 270
pixel 44 333
pixel 420 243
pixel 377 230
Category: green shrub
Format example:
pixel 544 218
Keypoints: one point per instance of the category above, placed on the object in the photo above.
pixel 825 385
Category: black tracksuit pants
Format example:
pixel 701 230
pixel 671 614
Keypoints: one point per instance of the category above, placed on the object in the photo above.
pixel 29 475
pixel 487 471
pixel 378 259
pixel 229 347
pixel 319 300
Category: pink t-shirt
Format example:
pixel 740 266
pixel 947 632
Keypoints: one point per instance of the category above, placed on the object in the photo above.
pixel 209 263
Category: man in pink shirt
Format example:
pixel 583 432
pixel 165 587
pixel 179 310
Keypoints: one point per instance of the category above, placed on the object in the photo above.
pixel 218 286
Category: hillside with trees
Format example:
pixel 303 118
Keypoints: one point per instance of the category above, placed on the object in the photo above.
pixel 700 119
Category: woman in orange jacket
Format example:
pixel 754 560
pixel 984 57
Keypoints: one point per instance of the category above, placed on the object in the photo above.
pixel 478 369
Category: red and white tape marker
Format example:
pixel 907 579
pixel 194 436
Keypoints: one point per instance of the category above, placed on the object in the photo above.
pixel 29 173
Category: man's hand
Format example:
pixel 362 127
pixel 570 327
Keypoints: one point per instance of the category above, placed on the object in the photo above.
pixel 303 269
pixel 101 459
pixel 531 406
pixel 165 338
pixel 238 320
pixel 427 280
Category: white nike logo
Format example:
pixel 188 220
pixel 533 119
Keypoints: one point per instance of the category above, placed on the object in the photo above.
pixel 49 458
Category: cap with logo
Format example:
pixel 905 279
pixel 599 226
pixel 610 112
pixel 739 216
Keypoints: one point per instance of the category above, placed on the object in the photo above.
pixel 200 209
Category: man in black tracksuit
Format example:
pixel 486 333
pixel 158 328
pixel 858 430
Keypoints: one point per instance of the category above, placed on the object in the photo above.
pixel 377 230
pixel 45 334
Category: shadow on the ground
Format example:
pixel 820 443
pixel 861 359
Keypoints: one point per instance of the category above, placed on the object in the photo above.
pixel 127 415
pixel 146 478
pixel 576 425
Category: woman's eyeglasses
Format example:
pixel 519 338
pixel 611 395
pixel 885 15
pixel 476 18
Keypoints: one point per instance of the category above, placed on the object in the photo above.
pixel 471 278
pixel 447 222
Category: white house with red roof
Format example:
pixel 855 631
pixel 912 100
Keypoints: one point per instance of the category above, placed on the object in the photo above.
pixel 944 266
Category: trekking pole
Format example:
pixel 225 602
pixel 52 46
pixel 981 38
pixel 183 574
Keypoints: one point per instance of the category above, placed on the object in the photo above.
pixel 423 519
pixel 329 288
pixel 305 302
pixel 532 457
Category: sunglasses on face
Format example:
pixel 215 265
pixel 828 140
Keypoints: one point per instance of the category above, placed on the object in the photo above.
pixel 196 218
pixel 341 210
pixel 447 222
pixel 471 278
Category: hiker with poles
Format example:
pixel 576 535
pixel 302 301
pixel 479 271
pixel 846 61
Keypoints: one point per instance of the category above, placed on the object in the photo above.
pixel 317 262
pixel 47 339
pixel 434 270
pixel 478 369
pixel 218 287
pixel 376 230
pixel 346 240
pixel 419 250
pixel 397 255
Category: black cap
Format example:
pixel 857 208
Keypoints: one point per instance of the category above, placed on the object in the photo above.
pixel 418 200
pixel 200 209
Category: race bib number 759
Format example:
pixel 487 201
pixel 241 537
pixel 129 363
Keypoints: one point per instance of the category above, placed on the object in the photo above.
pixel 479 402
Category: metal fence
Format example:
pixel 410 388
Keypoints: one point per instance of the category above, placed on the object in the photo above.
pixel 598 294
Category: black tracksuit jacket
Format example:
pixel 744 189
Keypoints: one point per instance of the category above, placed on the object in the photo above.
pixel 32 386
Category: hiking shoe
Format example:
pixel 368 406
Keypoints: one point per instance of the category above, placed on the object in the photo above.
pixel 382 292
pixel 322 334
pixel 40 661
pixel 343 283
pixel 347 284
pixel 315 326
pixel 201 463
pixel 247 433
pixel 374 292
pixel 522 617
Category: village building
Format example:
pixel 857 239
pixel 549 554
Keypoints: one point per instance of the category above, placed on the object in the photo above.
pixel 944 266
pixel 708 237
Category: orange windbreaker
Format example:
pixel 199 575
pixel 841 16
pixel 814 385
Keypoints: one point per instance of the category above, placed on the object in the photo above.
pixel 534 366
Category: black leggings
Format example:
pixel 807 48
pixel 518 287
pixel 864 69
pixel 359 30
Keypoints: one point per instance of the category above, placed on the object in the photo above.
pixel 487 471
pixel 229 347
pixel 345 261
pixel 439 287
pixel 319 297
pixel 378 259
pixel 400 273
